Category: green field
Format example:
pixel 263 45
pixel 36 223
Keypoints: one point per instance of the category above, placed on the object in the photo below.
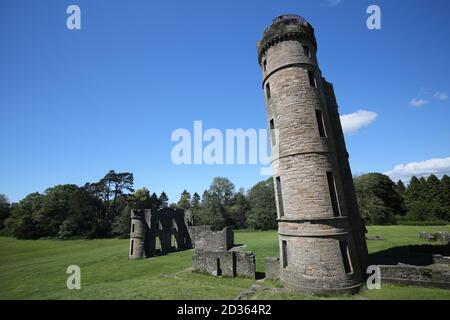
pixel 36 269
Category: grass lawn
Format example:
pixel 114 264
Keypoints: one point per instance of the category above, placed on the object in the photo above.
pixel 35 269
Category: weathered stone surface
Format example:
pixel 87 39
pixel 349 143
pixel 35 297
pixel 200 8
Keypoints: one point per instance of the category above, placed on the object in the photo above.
pixel 437 236
pixel 195 231
pixel 440 259
pixel 427 236
pixel 168 225
pixel 217 263
pixel 322 241
pixel 245 264
pixel 215 254
pixel 272 268
pixel 429 276
pixel 224 263
pixel 215 240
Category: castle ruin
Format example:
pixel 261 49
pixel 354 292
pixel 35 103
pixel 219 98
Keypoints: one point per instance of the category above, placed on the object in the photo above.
pixel 215 253
pixel 157 232
pixel 321 234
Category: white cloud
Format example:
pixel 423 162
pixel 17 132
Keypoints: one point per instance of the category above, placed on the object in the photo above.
pixel 404 172
pixel 441 96
pixel 352 122
pixel 332 3
pixel 418 102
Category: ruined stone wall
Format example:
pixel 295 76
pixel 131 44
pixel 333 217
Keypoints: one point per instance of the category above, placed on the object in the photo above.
pixel 416 275
pixel 215 240
pixel 272 268
pixel 225 263
pixel 215 254
pixel 245 264
pixel 196 231
pixel 217 263
pixel 168 225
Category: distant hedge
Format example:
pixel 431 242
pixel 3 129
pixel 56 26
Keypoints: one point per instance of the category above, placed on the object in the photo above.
pixel 402 222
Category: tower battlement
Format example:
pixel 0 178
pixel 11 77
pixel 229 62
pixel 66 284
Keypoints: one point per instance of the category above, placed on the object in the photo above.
pixel 286 27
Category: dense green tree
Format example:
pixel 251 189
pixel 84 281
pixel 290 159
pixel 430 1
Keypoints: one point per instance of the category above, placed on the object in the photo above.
pixel 240 208
pixel 54 209
pixel 154 202
pixel 263 213
pixel 445 197
pixel 140 199
pixel 415 200
pixel 4 210
pixel 195 203
pixel 110 189
pixel 185 201
pixel 211 212
pixel 195 207
pixel 222 189
pixel 215 209
pixel 374 211
pixel 63 211
pixel 400 187
pixel 83 210
pixel 378 199
pixel 163 200
pixel 20 222
pixel 434 195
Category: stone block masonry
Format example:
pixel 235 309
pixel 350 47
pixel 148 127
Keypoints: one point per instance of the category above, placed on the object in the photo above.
pixel 321 234
pixel 206 239
pixel 429 276
pixel 216 254
pixel 216 263
pixel 196 231
pixel 167 225
pixel 272 268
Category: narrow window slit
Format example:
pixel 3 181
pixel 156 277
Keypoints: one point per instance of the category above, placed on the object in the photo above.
pixel 312 79
pixel 345 257
pixel 320 123
pixel 268 94
pixel 284 253
pixel 272 132
pixel 333 194
pixel 280 196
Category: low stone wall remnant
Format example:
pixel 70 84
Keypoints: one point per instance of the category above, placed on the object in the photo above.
pixel 216 254
pixel 272 268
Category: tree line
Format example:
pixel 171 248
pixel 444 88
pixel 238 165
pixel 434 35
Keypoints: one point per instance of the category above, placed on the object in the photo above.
pixel 102 209
pixel 422 201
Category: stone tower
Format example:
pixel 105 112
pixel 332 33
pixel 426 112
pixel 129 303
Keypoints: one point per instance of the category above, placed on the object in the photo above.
pixel 321 234
pixel 138 234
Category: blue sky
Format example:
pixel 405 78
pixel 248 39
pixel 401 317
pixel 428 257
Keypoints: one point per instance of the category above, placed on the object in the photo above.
pixel 77 103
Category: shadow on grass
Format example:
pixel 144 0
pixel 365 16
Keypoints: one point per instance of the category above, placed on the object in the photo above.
pixel 420 255
pixel 160 252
